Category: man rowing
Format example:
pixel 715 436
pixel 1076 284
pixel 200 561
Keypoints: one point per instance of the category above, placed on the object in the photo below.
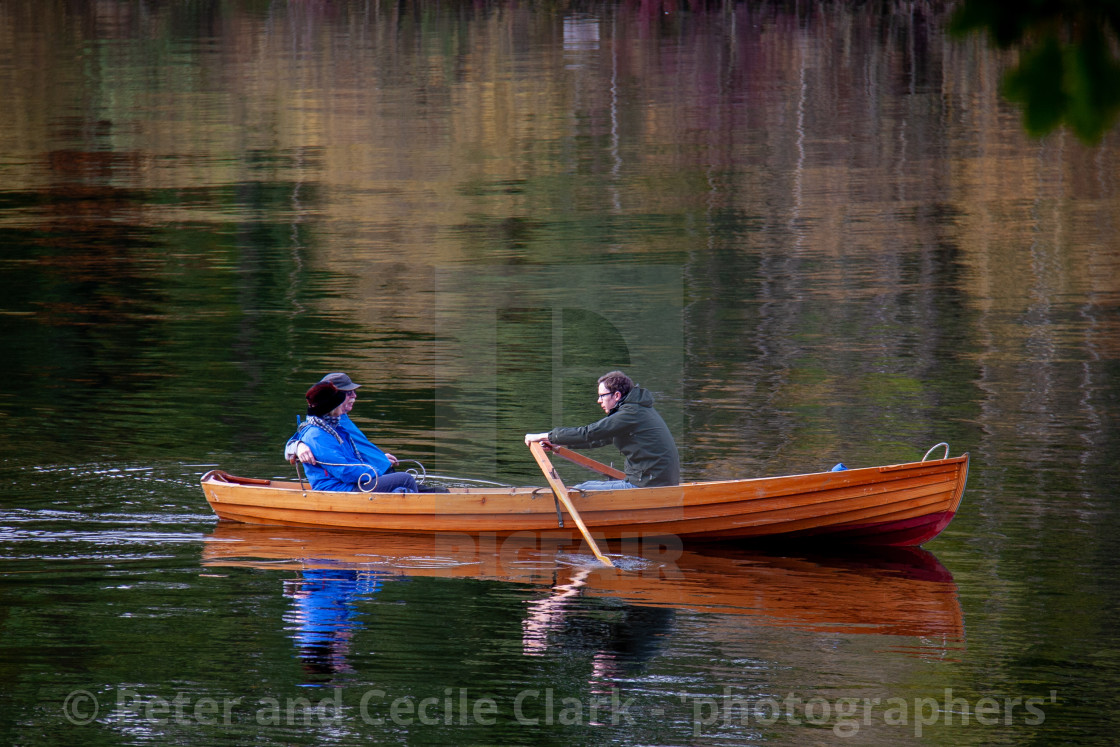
pixel 631 424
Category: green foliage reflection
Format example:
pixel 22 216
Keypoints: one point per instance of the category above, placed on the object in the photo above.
pixel 1068 72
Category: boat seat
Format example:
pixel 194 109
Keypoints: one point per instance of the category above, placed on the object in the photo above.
pixel 220 476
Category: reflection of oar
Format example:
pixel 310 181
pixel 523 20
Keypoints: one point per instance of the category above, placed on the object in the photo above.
pixel 588 462
pixel 562 493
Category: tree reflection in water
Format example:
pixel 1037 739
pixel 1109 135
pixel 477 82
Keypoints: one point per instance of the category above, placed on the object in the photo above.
pixel 1067 72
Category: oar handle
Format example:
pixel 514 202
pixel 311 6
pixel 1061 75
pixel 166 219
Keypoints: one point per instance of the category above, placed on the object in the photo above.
pixel 588 462
pixel 561 492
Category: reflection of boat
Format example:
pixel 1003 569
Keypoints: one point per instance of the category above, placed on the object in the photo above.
pixel 893 591
pixel 901 505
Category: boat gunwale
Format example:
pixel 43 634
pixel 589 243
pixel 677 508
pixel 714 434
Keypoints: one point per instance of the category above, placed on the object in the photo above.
pixel 544 491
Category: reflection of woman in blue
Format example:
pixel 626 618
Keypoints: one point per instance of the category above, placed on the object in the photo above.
pixel 325 617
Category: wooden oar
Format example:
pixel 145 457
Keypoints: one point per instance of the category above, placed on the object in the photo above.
pixel 583 461
pixel 562 493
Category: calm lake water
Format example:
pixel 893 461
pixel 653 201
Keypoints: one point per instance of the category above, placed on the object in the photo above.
pixel 816 233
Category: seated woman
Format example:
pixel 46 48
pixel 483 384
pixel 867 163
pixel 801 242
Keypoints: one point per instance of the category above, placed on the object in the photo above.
pixel 337 464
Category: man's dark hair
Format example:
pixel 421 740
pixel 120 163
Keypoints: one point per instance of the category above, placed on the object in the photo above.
pixel 616 381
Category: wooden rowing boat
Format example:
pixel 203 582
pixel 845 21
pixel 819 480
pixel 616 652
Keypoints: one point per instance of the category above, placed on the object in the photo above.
pixel 896 505
pixel 881 591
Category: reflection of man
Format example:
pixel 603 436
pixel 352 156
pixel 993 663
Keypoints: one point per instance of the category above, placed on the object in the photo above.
pixel 623 638
pixel 634 427
pixel 545 615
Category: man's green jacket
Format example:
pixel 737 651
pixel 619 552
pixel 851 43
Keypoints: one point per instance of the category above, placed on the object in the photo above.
pixel 640 434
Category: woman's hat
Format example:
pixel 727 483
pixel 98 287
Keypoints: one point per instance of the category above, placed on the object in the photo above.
pixel 324 397
pixel 341 380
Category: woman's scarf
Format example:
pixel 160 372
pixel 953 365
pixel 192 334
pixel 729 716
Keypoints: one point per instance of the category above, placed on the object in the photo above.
pixel 332 426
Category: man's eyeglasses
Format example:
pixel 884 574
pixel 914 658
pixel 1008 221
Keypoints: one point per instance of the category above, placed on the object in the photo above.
pixel 604 395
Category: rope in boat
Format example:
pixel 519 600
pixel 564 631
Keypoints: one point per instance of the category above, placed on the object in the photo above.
pixel 937 446
pixel 366 484
pixel 472 479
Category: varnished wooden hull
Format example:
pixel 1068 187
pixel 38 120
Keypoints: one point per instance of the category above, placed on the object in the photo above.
pixel 896 505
